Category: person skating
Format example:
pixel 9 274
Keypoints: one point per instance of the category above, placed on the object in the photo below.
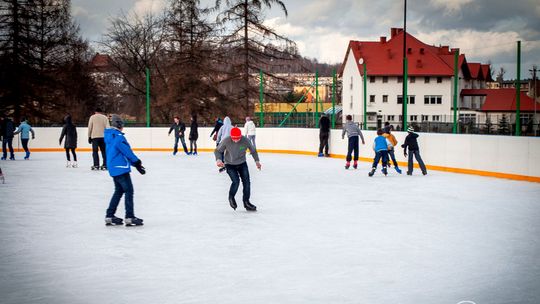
pixel 381 145
pixel 353 133
pixel 217 126
pixel 250 131
pixel 25 129
pixel 69 131
pixel 96 130
pixel 224 132
pixel 324 135
pixel 411 142
pixel 120 158
pixel 234 147
pixel 193 135
pixel 179 129
pixel 8 128
pixel 388 134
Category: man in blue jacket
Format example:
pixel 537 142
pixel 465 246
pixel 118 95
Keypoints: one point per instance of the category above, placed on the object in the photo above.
pixel 120 157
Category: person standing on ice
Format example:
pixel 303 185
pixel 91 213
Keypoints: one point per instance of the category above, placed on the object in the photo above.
pixel 388 134
pixel 193 135
pixel 353 132
pixel 412 143
pixel 25 129
pixel 224 132
pixel 7 138
pixel 215 131
pixel 69 131
pixel 234 147
pixel 324 135
pixel 96 129
pixel 381 145
pixel 120 158
pixel 250 131
pixel 179 129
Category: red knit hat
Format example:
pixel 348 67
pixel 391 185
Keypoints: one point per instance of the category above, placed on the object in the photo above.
pixel 236 133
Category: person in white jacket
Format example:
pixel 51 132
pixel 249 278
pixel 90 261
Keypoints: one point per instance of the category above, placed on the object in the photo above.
pixel 249 131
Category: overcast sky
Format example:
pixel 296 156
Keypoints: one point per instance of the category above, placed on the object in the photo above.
pixel 485 30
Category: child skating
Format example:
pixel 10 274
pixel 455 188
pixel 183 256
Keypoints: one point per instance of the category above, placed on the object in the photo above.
pixel 69 131
pixel 234 147
pixel 381 145
pixel 25 129
pixel 120 158
pixel 411 142
pixel 388 134
pixel 353 132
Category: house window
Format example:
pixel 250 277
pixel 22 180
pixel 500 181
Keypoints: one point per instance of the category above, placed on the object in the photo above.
pixel 350 105
pixel 351 82
pixel 385 98
pixel 411 99
pixel 439 79
pixel 391 117
pixel 439 99
pixel 400 99
pixel 400 117
pixel 467 118
pixel 426 79
pixel 414 117
pixel 435 118
pixel 372 98
pixel 400 79
pixel 372 79
pixel 425 117
pixel 412 79
pixel 385 79
pixel 526 118
pixel 432 99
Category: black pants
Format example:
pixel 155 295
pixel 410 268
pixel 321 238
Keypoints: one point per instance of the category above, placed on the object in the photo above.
pixel 323 138
pixel 24 142
pixel 237 173
pixel 72 152
pixel 98 142
pixel 192 143
pixel 381 155
pixel 353 146
pixel 7 142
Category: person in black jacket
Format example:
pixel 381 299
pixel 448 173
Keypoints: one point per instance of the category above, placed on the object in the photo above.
pixel 69 130
pixel 217 126
pixel 193 135
pixel 8 130
pixel 324 134
pixel 414 150
pixel 179 129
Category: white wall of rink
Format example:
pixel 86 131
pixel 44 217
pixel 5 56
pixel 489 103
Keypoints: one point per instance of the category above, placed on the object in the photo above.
pixel 491 153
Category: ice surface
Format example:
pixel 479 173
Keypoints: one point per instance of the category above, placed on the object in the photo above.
pixel 322 235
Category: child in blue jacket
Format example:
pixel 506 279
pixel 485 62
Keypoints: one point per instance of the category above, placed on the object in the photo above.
pixel 381 145
pixel 25 129
pixel 120 157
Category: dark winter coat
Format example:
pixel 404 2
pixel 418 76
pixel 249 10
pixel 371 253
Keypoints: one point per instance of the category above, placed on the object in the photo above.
pixel 194 131
pixel 324 124
pixel 179 129
pixel 69 130
pixel 411 142
pixel 8 128
pixel 217 126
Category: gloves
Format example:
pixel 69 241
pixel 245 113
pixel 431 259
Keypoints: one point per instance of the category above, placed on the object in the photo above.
pixel 89 140
pixel 139 167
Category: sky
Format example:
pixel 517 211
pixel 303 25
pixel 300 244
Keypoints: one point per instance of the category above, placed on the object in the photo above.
pixel 486 31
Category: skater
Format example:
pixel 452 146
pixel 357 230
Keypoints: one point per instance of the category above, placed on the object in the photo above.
pixel 224 132
pixel 381 145
pixel 388 134
pixel 7 138
pixel 414 150
pixel 324 134
pixel 249 130
pixel 69 130
pixel 193 135
pixel 25 129
pixel 120 158
pixel 234 147
pixel 179 129
pixel 96 129
pixel 217 126
pixel 353 132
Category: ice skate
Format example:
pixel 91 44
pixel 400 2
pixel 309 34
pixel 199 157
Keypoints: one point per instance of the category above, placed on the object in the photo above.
pixel 424 172
pixel 320 155
pixel 113 221
pixel 3 158
pixel 12 157
pixel 195 153
pixel 384 171
pixel 372 172
pixel 398 170
pixel 68 164
pixel 103 168
pixel 74 164
pixel 134 221
pixel 232 203
pixel 347 165
pixel 249 206
pixel 355 165
pixel 95 168
pixel 27 156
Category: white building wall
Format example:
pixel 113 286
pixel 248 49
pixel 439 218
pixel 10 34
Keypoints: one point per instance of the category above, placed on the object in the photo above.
pixel 352 90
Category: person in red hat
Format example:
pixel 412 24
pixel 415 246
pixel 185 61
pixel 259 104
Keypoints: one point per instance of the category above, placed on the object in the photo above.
pixel 235 148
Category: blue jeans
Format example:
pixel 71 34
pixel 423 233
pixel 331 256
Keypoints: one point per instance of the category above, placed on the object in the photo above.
pixel 237 172
pixel 381 155
pixel 353 147
pixel 122 185
pixel 183 144
pixel 416 155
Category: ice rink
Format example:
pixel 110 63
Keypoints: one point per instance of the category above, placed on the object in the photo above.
pixel 322 235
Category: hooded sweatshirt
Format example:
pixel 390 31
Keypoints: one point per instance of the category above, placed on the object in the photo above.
pixel 235 152
pixel 411 142
pixel 225 130
pixel 119 153
pixel 351 129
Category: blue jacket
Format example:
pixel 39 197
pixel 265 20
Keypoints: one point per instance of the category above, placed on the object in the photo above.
pixel 25 129
pixel 119 153
pixel 381 144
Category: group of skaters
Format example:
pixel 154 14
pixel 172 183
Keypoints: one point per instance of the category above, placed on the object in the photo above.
pixel 8 132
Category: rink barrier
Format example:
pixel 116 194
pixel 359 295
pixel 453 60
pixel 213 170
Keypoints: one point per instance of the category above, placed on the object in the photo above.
pixel 508 157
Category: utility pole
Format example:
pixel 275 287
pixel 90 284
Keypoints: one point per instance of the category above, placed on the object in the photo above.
pixel 533 71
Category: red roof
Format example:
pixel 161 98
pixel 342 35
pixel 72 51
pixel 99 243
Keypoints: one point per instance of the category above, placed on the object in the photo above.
pixel 385 58
pixel 501 100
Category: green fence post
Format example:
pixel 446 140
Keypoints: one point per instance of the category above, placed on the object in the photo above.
pixel 147 97
pixel 316 98
pixel 518 90
pixel 334 99
pixel 261 96
pixel 456 75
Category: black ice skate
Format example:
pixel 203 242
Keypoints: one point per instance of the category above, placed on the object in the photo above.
pixel 232 202
pixel 371 172
pixel 95 168
pixel 103 168
pixel 113 221
pixel 133 221
pixel 249 206
pixel 384 171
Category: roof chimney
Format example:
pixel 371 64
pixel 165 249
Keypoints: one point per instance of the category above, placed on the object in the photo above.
pixel 383 39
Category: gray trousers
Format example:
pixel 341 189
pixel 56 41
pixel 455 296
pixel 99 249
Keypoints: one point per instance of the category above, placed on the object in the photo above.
pixel 416 155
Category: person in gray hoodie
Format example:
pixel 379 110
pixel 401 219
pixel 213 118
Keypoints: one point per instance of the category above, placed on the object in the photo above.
pixel 224 132
pixel 234 148
pixel 353 132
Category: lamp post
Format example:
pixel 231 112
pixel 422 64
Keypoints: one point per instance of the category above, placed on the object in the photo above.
pixel 405 99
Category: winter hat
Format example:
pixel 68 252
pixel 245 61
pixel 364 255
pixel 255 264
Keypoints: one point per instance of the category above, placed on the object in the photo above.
pixel 117 122
pixel 236 133
pixel 410 129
